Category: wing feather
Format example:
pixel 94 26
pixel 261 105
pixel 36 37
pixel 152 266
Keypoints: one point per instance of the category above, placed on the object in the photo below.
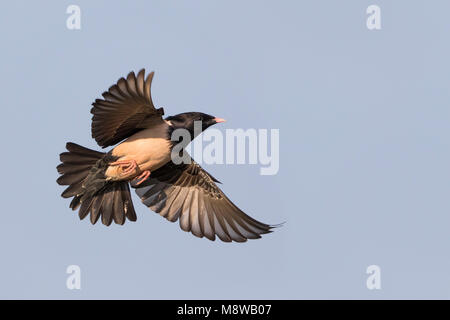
pixel 125 109
pixel 189 194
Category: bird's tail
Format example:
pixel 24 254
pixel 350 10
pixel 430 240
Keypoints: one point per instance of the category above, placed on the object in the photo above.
pixel 83 171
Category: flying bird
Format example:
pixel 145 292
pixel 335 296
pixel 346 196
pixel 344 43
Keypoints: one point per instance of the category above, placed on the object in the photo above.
pixel 99 182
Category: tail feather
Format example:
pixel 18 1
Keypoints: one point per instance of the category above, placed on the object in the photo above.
pixel 72 190
pixel 68 168
pixel 128 207
pixel 74 158
pixel 77 149
pixel 82 170
pixel 76 164
pixel 85 208
pixel 118 215
pixel 72 178
pixel 96 208
pixel 107 207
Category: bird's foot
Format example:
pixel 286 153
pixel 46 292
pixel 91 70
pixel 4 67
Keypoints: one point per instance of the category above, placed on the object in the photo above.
pixel 142 177
pixel 127 166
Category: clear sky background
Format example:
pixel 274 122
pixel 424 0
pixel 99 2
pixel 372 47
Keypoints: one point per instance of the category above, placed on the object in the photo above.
pixel 364 146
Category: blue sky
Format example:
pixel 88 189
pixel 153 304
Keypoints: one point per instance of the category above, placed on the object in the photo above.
pixel 364 149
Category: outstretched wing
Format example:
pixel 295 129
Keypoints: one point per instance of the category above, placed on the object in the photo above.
pixel 125 109
pixel 189 194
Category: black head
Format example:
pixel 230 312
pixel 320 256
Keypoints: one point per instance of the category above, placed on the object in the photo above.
pixel 193 121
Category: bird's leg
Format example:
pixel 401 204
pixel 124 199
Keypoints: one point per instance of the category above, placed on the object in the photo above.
pixel 128 166
pixel 142 177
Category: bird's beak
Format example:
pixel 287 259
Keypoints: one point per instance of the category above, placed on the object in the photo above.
pixel 219 120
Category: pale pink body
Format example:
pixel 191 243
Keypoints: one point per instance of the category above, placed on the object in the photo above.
pixel 150 148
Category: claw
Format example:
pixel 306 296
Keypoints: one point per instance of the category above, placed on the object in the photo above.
pixel 142 177
pixel 128 166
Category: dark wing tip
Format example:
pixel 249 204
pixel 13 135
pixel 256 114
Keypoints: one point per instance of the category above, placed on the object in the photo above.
pixel 60 181
pixel 278 225
pixel 131 75
pixel 160 111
